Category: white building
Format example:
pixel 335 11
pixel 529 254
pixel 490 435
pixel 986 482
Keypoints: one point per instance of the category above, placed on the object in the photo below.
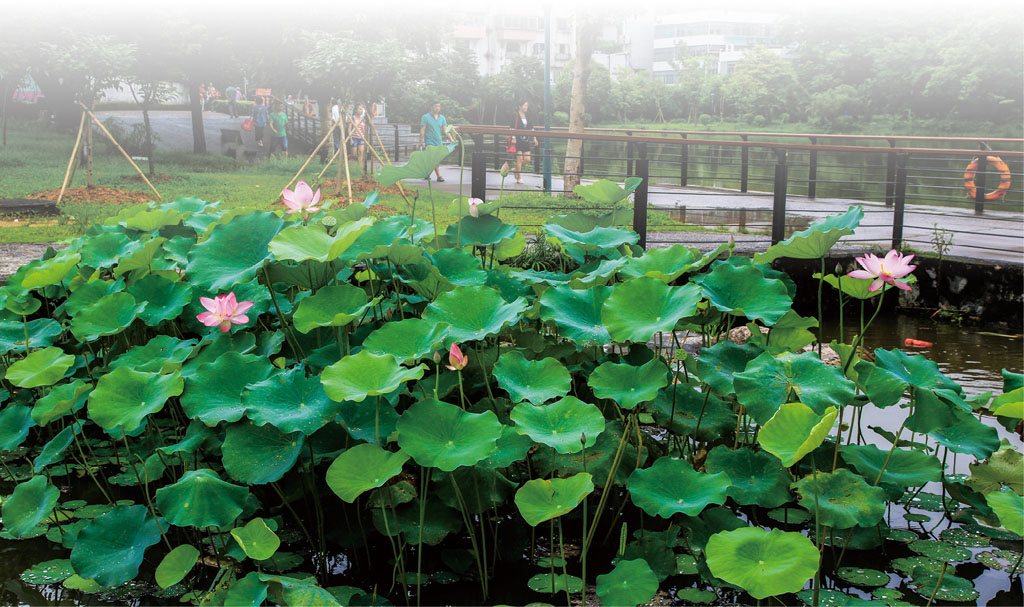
pixel 723 35
pixel 497 34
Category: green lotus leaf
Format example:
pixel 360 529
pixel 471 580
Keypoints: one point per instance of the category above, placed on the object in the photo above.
pixel 592 242
pixel 15 422
pixel 362 468
pixel 124 397
pixel 461 268
pixel 909 369
pixel 857 288
pixel 696 596
pixel 665 264
pixel 368 421
pixel 438 521
pixel 109 550
pixel 863 576
pixel 794 431
pixel 969 436
pixel 358 376
pixel 540 277
pixel 164 298
pixel 257 455
pixel 257 540
pixel 671 485
pixel 745 291
pixel 145 260
pixel 440 435
pixel 175 565
pixel 201 499
pixel 629 385
pixel 841 499
pixel 641 307
pixel 791 332
pixel 764 563
pixel 473 312
pixel 1009 507
pixel 481 231
pixel 51 271
pixel 291 401
pixel 152 220
pixel 105 250
pixel 607 192
pixel 596 272
pixel 945 587
pixel 48 572
pixel 577 313
pixel 109 316
pixel 29 505
pixel 596 459
pixel 560 425
pixel 53 450
pixel 1009 404
pixel 196 435
pixel 248 591
pixel 233 252
pixel 377 241
pixel 681 407
pixel 41 368
pixel 331 306
pixel 756 477
pixel 163 353
pixel 905 467
pixel 217 391
pixel 60 400
pixel 301 243
pixel 84 295
pixel 419 166
pixel 542 499
pixel 546 582
pixel 407 340
pixel 769 381
pixel 630 583
pixel 18 301
pixel 510 448
pixel 537 381
pixel 790 516
pixel 41 333
pixel 718 364
pixel 815 241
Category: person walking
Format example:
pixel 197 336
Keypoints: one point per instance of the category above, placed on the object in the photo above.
pixel 432 128
pixel 260 117
pixel 357 125
pixel 278 122
pixel 336 119
pixel 233 96
pixel 524 143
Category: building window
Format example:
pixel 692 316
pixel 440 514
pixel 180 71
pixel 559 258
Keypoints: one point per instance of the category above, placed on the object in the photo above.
pixel 664 54
pixel 513 47
pixel 664 31
pixel 667 77
pixel 563 49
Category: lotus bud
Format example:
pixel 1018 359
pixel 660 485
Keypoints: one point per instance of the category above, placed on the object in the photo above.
pixel 583 439
pixel 504 169
pixel 437 357
pixel 474 206
pixel 839 268
pixel 457 359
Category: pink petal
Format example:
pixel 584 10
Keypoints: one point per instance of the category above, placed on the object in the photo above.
pixel 303 193
pixel 208 303
pixel 239 319
pixel 316 199
pixel 871 263
pixel 243 306
pixel 209 319
pixel 289 196
pixel 901 285
pixel 231 301
pixel 860 274
pixel 876 285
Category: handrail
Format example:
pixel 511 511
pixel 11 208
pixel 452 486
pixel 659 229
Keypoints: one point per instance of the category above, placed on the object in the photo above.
pixel 486 130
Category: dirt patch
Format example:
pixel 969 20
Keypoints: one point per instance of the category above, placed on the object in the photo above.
pixel 360 187
pixel 96 194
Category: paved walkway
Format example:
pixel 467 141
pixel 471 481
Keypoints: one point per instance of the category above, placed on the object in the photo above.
pixel 173 129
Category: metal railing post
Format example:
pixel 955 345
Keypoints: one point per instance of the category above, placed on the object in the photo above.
pixel 640 201
pixel 583 145
pixel 899 201
pixel 979 182
pixel 779 203
pixel 478 176
pixel 812 171
pixel 498 149
pixel 629 155
pixel 684 162
pixel 744 165
pixel 395 155
pixel 890 175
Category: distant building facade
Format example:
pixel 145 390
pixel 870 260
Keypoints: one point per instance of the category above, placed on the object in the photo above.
pixel 498 34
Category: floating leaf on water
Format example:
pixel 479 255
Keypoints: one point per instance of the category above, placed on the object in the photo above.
pixel 841 499
pixel 791 516
pixel 671 485
pixel 535 381
pixel 686 564
pixel 862 576
pixel 906 565
pixel 826 598
pixel 886 594
pixel 968 538
pixel 175 565
pixel 696 596
pixel 764 563
pixel 1003 560
pixel 940 551
pixel 48 572
pixel 944 587
pixel 631 582
pixel 916 518
pixel 541 499
pixel 548 561
pixel 901 535
pixel 545 582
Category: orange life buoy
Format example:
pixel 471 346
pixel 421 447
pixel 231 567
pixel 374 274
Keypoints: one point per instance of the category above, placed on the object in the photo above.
pixel 309 109
pixel 1004 178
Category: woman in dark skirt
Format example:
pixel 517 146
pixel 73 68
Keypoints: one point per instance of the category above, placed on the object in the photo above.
pixel 524 143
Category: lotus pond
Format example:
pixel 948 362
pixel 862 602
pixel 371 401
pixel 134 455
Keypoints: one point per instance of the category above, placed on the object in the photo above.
pixel 321 408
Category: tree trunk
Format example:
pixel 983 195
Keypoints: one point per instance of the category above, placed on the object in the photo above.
pixel 149 138
pixel 59 99
pixel 88 153
pixel 586 34
pixel 198 132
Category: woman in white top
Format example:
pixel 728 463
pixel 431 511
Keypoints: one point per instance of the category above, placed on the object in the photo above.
pixel 335 119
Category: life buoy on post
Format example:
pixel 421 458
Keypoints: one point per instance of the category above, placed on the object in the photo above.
pixel 309 109
pixel 998 166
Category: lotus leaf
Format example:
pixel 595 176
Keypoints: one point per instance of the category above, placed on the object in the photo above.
pixel 630 583
pixel 201 499
pixel 596 272
pixel 641 307
pixel 440 435
pixel 160 354
pixel 164 298
pixel 592 242
pixel 438 521
pixel 217 390
pixel 312 242
pixel 681 407
pixel 368 423
pixel 596 460
pixel 124 397
pixel 718 364
pixel 41 333
pixel 541 499
pixel 15 422
pixel 53 450
pixel 560 425
pixel 1009 507
pixel 815 241
pixel 671 485
pixel 968 435
pixel 377 240
pixel 764 563
pixel 940 551
pixel 857 288
pixel 41 368
pixel 629 385
pixel 248 591
pixel 905 467
pixel 362 468
pixel 84 295
pixel 257 455
pixel 29 505
pixel 665 264
pixel 794 431
pixel 510 448
pixel 1009 404
pixel 577 313
pixel 48 572
pixel 944 586
pixel 607 192
pixel 233 252
pixel 696 596
pixel 535 381
pixel 841 499
pixel 481 231
pixel 911 369
pixel 746 292
pixel 863 576
pixel 769 381
pixel 331 306
pixel 419 166
pixel 791 332
pixel 51 271
pixel 110 315
pixel 756 477
pixel 789 516
pixel 546 582
pixel 175 565
pixel 358 376
pixel 105 250
pixel 473 312
pixel 196 435
pixel 256 539
pixel 407 340
pixel 290 400
pixel 109 549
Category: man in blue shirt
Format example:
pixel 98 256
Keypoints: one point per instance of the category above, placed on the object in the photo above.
pixel 432 131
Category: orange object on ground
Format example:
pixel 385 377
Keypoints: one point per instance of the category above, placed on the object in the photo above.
pixel 917 343
pixel 1004 178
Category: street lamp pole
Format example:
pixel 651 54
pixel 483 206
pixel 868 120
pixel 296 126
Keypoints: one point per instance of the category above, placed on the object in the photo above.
pixel 547 97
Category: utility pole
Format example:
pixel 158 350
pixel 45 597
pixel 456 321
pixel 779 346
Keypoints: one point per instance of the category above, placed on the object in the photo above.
pixel 547 97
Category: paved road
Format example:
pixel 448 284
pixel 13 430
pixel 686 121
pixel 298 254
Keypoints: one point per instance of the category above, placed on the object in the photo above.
pixel 173 129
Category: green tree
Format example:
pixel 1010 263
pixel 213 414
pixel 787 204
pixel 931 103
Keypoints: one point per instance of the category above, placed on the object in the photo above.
pixel 521 79
pixel 764 84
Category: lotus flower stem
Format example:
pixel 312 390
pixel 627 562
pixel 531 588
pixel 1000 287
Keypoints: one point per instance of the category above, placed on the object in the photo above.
pixel 707 394
pixel 433 210
pixel 608 483
pixel 462 393
pixel 565 573
pixel 583 551
pixel 860 336
pixel 487 383
pixel 296 348
pixel 938 584
pixel 821 319
pixel 472 535
pixel 419 549
pixel 817 531
pixel 145 490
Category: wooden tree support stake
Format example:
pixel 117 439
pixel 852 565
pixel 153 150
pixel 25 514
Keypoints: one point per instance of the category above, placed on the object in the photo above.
pixel 119 148
pixel 344 156
pixel 330 131
pixel 71 161
pixel 345 139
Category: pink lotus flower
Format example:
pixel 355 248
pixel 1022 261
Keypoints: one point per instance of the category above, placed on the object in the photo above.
pixel 457 359
pixel 302 200
pixel 885 270
pixel 224 311
pixel 474 206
